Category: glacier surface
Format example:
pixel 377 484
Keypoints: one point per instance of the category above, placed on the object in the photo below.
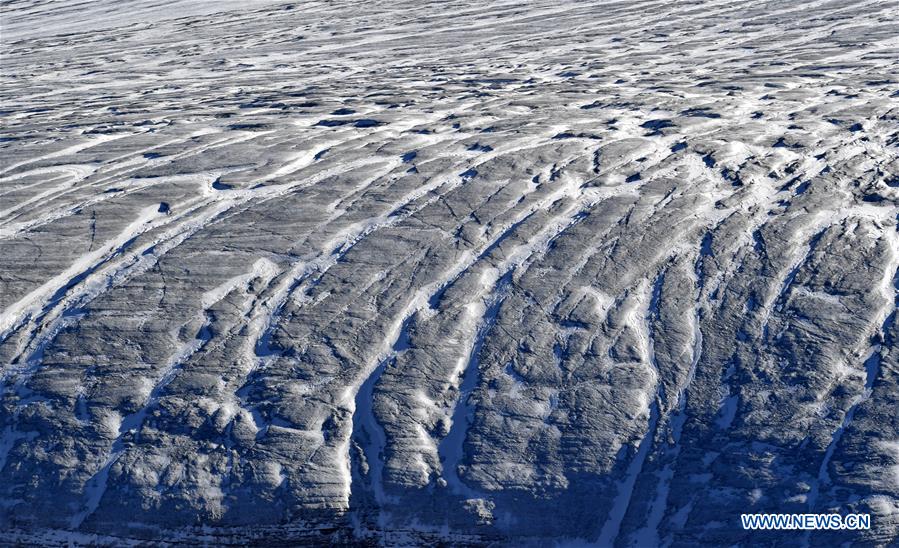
pixel 605 273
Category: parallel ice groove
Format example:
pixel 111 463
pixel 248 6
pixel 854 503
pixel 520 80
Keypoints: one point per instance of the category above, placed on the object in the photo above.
pixel 603 273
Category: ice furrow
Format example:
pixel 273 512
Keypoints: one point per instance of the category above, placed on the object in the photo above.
pixel 446 273
pixel 451 448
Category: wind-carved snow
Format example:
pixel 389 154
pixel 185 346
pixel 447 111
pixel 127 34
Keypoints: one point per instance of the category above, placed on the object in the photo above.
pixel 414 274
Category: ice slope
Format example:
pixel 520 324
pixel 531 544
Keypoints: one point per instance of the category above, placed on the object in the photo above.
pixel 606 273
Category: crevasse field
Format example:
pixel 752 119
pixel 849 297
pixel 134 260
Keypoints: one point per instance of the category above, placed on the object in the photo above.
pixel 409 272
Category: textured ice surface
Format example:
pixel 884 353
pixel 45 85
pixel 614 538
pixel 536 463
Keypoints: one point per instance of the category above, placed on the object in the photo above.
pixel 408 272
